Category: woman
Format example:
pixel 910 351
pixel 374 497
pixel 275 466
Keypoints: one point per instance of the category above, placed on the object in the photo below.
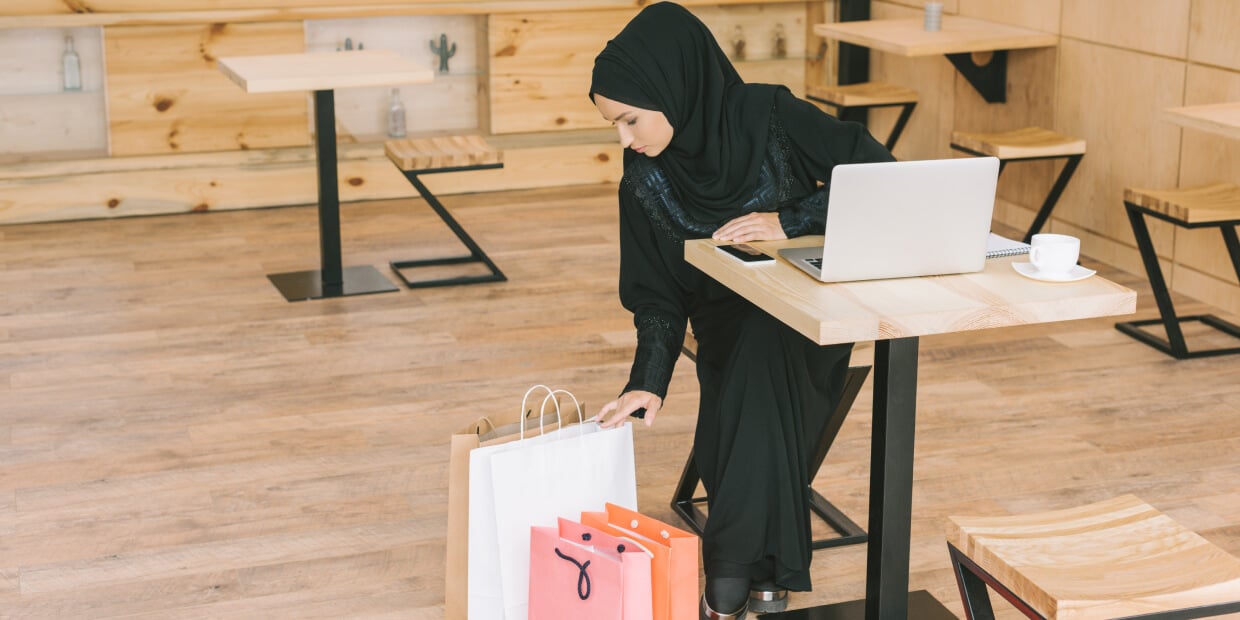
pixel 710 156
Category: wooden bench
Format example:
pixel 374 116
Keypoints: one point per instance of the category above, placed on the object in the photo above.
pixel 1027 144
pixel 418 156
pixel 1112 559
pixel 1195 207
pixel 867 95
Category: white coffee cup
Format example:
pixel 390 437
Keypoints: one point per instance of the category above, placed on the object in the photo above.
pixel 1054 255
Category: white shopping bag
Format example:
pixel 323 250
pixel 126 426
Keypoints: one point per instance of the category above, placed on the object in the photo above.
pixel 533 482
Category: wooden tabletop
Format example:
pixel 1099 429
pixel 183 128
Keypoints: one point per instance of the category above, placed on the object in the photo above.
pixel 1218 118
pixel 322 71
pixel 907 37
pixel 897 308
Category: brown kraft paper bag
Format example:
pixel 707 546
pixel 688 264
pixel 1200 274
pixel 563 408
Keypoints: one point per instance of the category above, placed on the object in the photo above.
pixel 481 432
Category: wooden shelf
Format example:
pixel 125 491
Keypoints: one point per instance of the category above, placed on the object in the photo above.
pixel 1217 118
pixel 153 12
pixel 907 37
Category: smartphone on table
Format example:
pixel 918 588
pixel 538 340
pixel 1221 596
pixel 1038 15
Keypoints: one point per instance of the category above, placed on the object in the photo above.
pixel 746 253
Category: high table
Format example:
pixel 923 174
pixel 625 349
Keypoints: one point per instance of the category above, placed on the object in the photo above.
pixel 894 313
pixel 959 39
pixel 1217 118
pixel 323 73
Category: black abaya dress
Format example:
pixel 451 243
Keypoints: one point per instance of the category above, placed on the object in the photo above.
pixel 766 390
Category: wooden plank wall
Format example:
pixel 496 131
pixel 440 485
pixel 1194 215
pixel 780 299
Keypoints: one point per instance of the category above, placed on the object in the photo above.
pixel 541 62
pixel 193 141
pixel 1117 66
pixel 165 94
pixel 274 177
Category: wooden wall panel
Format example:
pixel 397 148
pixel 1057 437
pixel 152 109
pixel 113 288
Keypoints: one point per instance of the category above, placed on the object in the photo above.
pixel 540 68
pixel 930 128
pixel 1111 97
pixel 1041 15
pixel 1207 158
pixel 1214 33
pixel 1153 26
pixel 165 94
pixel 192 11
pixel 758 24
pixel 1031 91
pixel 541 62
pixel 282 177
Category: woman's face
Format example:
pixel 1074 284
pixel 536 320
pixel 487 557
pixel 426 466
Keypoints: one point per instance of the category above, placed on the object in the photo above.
pixel 645 131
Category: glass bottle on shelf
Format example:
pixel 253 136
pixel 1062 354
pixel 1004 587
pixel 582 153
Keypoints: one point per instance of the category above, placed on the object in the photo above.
pixel 396 116
pixel 72 67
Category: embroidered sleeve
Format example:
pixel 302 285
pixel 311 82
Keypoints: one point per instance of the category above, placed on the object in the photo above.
pixel 649 290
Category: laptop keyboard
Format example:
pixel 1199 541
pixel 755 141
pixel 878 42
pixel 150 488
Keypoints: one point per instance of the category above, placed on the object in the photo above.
pixel 816 262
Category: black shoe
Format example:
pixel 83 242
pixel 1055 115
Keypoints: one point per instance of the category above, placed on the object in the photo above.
pixel 766 597
pixel 710 614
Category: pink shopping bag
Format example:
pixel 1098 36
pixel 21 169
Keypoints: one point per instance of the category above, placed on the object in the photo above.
pixel 674 569
pixel 579 572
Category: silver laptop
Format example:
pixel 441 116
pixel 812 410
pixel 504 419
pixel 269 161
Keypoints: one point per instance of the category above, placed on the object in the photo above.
pixel 904 219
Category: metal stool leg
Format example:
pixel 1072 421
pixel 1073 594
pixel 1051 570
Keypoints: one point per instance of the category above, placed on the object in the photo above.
pixel 685 504
pixel 1048 205
pixel 905 112
pixel 972 582
pixel 476 255
pixel 1174 345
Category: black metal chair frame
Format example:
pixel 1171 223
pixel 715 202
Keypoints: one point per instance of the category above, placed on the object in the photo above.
pixel 896 129
pixel 476 255
pixel 1174 344
pixel 972 580
pixel 685 504
pixel 1048 205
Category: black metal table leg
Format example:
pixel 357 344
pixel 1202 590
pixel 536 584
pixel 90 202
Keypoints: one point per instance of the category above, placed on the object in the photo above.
pixel 891 498
pixel 331 280
pixel 891 478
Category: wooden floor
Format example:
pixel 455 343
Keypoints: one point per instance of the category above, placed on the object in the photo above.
pixel 177 441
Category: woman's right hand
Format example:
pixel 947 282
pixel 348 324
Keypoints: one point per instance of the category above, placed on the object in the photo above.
pixel 614 412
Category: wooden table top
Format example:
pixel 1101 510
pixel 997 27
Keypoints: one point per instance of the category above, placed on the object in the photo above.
pixel 1218 118
pixel 322 71
pixel 898 308
pixel 907 37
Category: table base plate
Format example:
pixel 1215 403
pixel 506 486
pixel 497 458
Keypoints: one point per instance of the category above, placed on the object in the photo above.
pixel 921 606
pixel 303 285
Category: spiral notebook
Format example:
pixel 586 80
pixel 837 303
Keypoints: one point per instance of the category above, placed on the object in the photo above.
pixel 998 246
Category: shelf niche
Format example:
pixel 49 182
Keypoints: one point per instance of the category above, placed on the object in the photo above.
pixel 39 120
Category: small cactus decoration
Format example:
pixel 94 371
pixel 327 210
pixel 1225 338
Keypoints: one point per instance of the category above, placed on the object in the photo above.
pixel 443 51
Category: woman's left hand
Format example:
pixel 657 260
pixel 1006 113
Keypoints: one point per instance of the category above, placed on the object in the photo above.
pixel 751 227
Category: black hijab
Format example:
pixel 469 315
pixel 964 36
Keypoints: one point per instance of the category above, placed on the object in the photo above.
pixel 666 59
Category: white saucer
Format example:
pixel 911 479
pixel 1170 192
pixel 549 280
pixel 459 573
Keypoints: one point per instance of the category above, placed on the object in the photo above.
pixel 1076 273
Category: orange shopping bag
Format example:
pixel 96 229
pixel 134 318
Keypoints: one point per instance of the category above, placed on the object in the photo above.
pixel 674 567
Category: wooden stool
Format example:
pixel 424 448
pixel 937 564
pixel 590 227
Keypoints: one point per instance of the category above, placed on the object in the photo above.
pixel 685 504
pixel 868 95
pixel 417 156
pixel 1113 559
pixel 1028 144
pixel 1210 206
